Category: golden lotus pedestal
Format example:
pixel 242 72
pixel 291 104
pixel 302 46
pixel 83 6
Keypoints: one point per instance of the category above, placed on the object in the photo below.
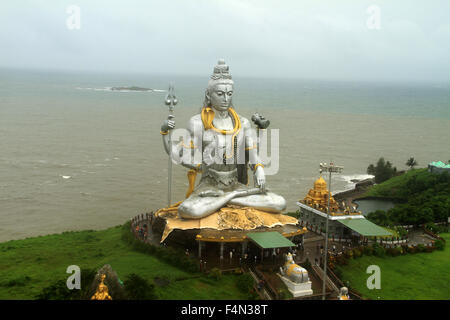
pixel 229 224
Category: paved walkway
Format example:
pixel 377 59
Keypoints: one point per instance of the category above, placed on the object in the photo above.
pixel 417 236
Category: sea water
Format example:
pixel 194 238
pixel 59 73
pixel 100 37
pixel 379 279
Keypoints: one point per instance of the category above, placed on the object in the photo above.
pixel 75 155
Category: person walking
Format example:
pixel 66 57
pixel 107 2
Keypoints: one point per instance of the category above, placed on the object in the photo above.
pixel 260 284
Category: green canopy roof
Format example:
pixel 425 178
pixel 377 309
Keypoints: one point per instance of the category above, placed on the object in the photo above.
pixel 365 228
pixel 439 164
pixel 269 240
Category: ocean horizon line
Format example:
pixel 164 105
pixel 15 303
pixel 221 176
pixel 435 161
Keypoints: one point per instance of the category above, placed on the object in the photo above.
pixel 444 84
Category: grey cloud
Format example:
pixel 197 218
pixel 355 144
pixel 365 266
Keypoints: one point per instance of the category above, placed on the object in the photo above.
pixel 308 39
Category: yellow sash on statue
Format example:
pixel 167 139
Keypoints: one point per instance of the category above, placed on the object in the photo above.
pixel 207 119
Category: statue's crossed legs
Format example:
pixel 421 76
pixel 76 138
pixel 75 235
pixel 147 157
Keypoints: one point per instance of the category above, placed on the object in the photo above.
pixel 204 203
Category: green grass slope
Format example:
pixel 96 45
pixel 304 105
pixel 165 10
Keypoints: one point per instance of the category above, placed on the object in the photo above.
pixel 29 265
pixel 395 188
pixel 417 276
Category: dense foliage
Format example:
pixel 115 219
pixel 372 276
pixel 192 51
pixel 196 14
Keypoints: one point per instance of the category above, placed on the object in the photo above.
pixel 58 289
pixel 425 196
pixel 430 226
pixel 382 171
pixel 378 250
pixel 245 283
pixel 175 257
pixel 138 288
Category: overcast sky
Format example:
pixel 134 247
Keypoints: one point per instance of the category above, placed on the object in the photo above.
pixel 302 39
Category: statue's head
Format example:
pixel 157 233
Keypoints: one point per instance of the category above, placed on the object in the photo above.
pixel 220 88
pixel 289 258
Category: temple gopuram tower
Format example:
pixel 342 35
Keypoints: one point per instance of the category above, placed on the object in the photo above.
pixel 317 197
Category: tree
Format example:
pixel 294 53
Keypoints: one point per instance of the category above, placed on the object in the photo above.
pixel 138 288
pixel 411 163
pixel 57 290
pixel 379 217
pixel 382 171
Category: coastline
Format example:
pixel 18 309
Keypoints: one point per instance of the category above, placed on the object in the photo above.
pixel 361 188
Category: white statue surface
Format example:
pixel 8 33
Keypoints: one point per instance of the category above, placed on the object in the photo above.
pixel 295 277
pixel 227 145
pixel 293 271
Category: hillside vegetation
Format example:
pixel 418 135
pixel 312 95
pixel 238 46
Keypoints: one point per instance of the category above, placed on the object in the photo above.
pixel 423 197
pixel 29 266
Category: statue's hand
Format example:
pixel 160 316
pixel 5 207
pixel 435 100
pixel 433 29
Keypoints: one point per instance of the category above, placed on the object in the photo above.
pixel 168 124
pixel 260 178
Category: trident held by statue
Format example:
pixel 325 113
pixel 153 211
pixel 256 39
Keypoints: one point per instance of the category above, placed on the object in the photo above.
pixel 171 101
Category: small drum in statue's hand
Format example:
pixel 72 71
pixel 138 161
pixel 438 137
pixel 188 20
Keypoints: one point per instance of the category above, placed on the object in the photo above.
pixel 168 124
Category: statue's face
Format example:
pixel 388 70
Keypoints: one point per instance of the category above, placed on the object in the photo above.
pixel 221 96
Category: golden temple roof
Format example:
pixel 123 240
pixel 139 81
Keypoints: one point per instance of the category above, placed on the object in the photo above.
pixel 317 197
pixel 320 184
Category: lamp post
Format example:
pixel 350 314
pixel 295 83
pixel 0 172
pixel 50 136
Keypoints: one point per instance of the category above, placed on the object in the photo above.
pixel 337 169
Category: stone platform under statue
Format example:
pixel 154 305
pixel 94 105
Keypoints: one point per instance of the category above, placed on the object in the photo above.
pixel 228 222
pixel 297 289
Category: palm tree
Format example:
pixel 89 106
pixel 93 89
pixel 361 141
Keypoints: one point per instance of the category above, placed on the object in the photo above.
pixel 411 163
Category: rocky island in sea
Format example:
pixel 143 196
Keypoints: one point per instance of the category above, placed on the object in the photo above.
pixel 133 88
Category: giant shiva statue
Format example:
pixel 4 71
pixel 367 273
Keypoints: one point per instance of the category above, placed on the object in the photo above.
pixel 227 145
